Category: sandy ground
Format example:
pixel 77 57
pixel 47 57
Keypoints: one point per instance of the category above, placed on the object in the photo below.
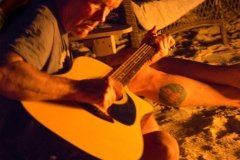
pixel 205 133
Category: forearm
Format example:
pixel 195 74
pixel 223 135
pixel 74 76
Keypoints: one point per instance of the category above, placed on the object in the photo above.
pixel 18 80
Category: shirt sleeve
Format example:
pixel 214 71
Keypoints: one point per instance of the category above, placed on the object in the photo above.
pixel 31 36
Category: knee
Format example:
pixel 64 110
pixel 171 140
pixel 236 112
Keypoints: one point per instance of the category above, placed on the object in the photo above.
pixel 160 145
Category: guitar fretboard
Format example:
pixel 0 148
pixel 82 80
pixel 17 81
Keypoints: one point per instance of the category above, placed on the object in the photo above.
pixel 130 67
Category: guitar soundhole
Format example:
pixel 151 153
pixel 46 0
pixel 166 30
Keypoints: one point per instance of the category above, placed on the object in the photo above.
pixel 125 113
pixel 96 112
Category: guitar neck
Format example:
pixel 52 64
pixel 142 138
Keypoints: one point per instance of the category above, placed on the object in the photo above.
pixel 130 67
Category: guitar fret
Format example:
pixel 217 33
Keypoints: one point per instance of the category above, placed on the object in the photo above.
pixel 128 69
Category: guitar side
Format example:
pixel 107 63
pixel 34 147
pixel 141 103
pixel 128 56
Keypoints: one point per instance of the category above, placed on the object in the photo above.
pixel 99 137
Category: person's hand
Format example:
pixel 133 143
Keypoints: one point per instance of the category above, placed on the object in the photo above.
pixel 101 92
pixel 162 43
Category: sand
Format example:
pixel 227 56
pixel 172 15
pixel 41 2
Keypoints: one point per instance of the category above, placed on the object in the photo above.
pixel 205 133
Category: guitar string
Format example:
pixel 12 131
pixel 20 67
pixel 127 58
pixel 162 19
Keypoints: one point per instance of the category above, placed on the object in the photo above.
pixel 129 75
pixel 137 66
pixel 128 69
pixel 121 70
pixel 133 57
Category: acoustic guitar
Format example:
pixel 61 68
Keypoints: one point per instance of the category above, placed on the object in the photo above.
pixel 115 134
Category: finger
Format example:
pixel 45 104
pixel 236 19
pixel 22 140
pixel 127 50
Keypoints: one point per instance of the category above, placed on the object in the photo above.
pixel 108 98
pixel 165 41
pixel 172 41
pixel 118 88
pixel 162 42
pixel 153 30
pixel 162 45
pixel 168 41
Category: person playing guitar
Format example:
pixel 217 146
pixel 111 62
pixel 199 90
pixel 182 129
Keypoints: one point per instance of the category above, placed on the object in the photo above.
pixel 91 111
pixel 34 48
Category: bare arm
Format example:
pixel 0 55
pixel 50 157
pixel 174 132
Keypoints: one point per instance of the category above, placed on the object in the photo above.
pixel 18 80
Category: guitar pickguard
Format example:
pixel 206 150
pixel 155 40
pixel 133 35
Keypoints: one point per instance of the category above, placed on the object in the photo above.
pixel 125 114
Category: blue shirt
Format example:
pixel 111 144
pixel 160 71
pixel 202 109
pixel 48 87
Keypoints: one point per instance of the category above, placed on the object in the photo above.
pixel 37 35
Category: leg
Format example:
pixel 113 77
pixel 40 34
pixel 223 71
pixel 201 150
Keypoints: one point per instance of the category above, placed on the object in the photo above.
pixel 174 90
pixel 223 75
pixel 158 145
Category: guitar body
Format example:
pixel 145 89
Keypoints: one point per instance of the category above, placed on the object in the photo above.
pixel 116 137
